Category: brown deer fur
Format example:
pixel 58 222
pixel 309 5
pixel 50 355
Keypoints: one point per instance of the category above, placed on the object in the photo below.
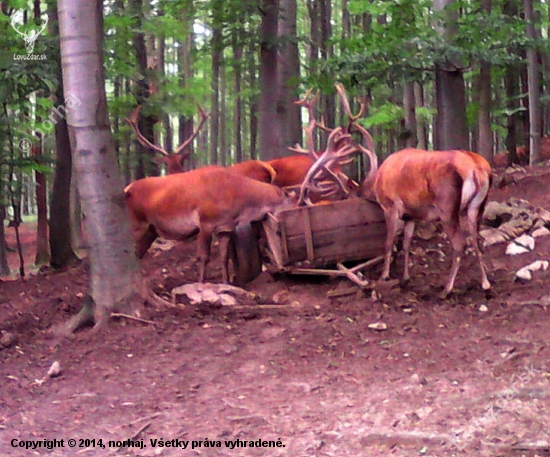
pixel 417 185
pixel 207 201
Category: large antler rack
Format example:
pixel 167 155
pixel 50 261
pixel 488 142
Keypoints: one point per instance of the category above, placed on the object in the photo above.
pixel 367 147
pixel 322 177
pixel 173 160
pixel 338 149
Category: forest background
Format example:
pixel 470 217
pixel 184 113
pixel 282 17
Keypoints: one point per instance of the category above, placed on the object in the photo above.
pixel 439 74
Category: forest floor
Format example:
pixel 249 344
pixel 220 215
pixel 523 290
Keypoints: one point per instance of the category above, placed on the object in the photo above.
pixel 309 377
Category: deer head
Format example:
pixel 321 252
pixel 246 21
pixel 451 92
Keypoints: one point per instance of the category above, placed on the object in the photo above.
pixel 174 160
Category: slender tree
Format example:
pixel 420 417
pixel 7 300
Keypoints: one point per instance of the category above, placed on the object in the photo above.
pixel 113 265
pixel 533 85
pixel 485 134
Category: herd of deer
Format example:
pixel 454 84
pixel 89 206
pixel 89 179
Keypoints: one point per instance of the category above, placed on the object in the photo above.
pixel 410 185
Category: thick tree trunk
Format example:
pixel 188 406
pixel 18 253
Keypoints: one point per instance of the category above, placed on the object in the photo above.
pixel 61 250
pixel 451 129
pixel 146 124
pixel 289 75
pixel 114 272
pixel 271 141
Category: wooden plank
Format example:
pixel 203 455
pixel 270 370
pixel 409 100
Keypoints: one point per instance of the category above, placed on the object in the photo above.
pixel 270 225
pixel 331 216
pixel 325 234
pixel 347 243
pixel 310 252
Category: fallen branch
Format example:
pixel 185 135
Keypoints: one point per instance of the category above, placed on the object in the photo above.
pixel 127 316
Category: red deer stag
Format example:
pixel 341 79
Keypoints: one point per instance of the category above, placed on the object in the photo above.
pixel 207 201
pixel 173 161
pixel 255 169
pixel 418 185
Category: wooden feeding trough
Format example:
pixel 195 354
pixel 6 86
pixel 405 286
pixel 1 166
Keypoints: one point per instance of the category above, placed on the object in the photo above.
pixel 308 239
pixel 314 240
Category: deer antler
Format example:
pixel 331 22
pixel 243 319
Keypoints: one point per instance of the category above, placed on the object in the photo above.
pixel 368 144
pixel 173 161
pixel 333 153
pixel 345 104
pixel 133 122
pixel 204 117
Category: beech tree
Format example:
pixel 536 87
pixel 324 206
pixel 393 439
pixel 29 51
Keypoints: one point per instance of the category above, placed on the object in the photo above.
pixel 113 266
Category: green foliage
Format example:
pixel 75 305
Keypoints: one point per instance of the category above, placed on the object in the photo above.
pixel 406 45
pixel 388 116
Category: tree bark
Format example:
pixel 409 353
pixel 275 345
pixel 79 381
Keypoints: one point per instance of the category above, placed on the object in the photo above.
pixel 238 110
pixel 142 91
pixel 270 139
pixel 451 129
pixel 289 75
pixel 114 272
pixel 533 85
pixel 4 267
pixel 61 250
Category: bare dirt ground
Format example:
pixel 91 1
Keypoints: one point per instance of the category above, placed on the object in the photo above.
pixel 464 376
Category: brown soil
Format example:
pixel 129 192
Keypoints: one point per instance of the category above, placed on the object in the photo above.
pixel 462 376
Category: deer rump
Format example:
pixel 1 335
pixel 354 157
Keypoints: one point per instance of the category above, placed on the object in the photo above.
pixel 207 201
pixel 451 186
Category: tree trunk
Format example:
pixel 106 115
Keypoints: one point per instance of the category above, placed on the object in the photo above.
pixel 451 129
pixel 216 64
pixel 270 139
pixel 253 102
pixel 186 123
pixel 534 90
pixel 410 116
pixel 328 103
pixel 511 85
pixel 485 133
pixel 289 75
pixel 421 128
pixel 238 110
pixel 224 141
pixel 61 250
pixel 4 267
pixel 114 270
pixel 146 124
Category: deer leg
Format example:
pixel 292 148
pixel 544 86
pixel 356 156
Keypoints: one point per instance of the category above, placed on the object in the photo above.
pixel 473 227
pixel 458 242
pixel 392 220
pixel 145 241
pixel 204 241
pixel 223 239
pixel 407 238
